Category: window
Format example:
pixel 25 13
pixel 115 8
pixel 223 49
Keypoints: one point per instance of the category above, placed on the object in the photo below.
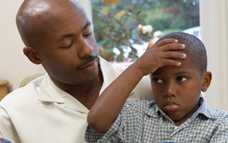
pixel 123 27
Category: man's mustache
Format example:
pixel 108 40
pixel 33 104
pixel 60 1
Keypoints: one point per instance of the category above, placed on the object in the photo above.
pixel 89 59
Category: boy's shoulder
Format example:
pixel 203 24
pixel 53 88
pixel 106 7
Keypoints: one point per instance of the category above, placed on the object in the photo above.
pixel 138 106
pixel 216 117
pixel 218 114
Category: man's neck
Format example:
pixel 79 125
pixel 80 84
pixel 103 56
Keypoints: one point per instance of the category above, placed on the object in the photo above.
pixel 86 93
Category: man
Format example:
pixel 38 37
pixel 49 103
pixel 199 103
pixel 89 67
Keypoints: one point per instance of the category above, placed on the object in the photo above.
pixel 53 108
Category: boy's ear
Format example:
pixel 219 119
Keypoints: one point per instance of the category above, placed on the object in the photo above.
pixel 206 81
pixel 32 55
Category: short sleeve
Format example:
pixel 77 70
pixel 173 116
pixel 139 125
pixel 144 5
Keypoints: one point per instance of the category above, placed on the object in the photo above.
pixel 7 131
pixel 126 126
pixel 114 135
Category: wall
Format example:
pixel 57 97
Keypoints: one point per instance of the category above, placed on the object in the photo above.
pixel 214 30
pixel 14 66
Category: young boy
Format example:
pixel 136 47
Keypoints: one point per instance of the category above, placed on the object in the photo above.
pixel 178 112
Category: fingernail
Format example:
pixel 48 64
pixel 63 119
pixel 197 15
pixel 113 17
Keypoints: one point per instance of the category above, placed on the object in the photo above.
pixel 179 64
pixel 175 40
pixel 184 55
pixel 183 46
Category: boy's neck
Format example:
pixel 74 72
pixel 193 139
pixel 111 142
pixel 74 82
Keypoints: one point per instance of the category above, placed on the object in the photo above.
pixel 188 115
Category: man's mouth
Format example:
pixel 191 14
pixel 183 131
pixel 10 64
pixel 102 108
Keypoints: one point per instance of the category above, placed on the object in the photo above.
pixel 88 64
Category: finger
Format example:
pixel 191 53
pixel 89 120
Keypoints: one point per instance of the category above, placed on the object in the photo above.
pixel 173 46
pixel 174 55
pixel 153 43
pixel 166 41
pixel 170 62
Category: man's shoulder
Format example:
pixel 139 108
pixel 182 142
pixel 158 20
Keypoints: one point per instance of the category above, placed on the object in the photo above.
pixel 21 96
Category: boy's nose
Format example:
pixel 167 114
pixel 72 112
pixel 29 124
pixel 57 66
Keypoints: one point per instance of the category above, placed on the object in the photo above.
pixel 171 89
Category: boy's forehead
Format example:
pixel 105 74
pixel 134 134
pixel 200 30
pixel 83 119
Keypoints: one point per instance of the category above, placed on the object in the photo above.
pixel 194 49
pixel 186 67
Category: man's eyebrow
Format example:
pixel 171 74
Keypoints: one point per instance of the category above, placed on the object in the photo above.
pixel 72 34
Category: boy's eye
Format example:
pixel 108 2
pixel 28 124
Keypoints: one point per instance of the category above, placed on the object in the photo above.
pixel 157 80
pixel 180 79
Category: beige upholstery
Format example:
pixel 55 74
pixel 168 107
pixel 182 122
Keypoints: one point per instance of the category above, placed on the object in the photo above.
pixel 29 78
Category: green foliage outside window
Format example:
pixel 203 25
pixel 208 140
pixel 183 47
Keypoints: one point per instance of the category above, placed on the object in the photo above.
pixel 125 23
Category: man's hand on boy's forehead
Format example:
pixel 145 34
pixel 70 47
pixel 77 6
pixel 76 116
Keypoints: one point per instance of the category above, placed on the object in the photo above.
pixel 166 52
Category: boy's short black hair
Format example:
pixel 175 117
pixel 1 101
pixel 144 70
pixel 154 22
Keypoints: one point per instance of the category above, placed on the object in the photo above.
pixel 194 48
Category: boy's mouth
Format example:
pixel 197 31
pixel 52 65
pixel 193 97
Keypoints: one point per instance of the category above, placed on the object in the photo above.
pixel 171 107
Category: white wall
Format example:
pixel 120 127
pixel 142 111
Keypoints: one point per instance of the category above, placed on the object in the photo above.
pixel 14 66
pixel 86 4
pixel 214 27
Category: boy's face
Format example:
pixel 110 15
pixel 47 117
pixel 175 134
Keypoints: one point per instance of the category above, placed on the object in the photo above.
pixel 176 90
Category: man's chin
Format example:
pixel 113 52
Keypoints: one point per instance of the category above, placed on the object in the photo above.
pixel 87 77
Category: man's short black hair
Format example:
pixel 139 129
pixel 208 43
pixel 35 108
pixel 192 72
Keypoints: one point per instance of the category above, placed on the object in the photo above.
pixel 194 48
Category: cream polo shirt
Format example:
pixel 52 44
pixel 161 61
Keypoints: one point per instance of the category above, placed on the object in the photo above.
pixel 40 112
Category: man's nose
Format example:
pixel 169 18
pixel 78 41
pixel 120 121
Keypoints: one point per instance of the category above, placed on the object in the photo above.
pixel 86 49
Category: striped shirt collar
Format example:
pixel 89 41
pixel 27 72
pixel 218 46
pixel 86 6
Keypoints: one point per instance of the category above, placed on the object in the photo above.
pixel 203 110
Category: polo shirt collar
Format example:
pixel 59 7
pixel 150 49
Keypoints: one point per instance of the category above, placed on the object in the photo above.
pixel 205 110
pixel 50 93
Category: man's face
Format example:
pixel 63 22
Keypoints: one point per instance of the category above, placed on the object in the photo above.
pixel 68 49
pixel 176 90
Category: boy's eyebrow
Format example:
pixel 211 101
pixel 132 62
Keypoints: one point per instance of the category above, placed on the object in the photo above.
pixel 178 73
pixel 182 72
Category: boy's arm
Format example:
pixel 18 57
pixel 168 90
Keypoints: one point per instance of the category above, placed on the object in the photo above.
pixel 109 104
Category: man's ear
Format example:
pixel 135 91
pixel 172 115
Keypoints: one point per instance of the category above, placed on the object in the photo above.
pixel 32 55
pixel 206 81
